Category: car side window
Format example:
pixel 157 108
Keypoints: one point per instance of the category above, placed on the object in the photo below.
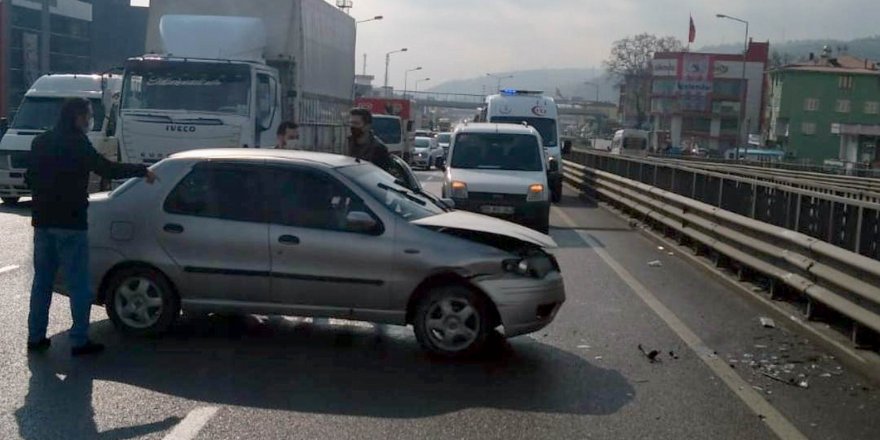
pixel 308 199
pixel 222 192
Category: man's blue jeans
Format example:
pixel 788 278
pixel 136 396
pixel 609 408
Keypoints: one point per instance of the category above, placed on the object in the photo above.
pixel 68 250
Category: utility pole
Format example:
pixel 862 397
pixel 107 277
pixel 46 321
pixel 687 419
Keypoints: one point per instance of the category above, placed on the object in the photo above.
pixel 388 64
pixel 743 129
pixel 365 64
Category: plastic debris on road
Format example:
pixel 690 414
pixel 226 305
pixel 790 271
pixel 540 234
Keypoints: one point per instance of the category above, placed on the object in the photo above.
pixel 767 322
pixel 655 263
pixel 651 355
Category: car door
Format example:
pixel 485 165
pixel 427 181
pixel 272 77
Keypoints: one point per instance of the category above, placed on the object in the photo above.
pixel 316 260
pixel 213 225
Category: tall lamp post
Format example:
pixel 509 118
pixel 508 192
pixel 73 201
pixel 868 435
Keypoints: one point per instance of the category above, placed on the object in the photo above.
pixel 421 80
pixel 388 63
pixel 376 18
pixel 406 79
pixel 743 130
pixel 499 78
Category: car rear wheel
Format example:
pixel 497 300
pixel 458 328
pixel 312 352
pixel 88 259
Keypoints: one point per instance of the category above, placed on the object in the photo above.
pixel 452 321
pixel 141 302
pixel 12 201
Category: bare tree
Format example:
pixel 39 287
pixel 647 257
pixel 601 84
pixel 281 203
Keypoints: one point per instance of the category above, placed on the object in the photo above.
pixel 630 62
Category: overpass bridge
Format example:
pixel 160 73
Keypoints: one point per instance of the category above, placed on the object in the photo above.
pixel 475 101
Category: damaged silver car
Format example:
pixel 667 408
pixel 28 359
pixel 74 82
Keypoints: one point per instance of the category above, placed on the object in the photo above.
pixel 277 232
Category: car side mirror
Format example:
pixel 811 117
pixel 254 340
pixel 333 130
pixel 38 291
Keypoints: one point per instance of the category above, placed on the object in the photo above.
pixel 359 221
pixel 566 147
pixel 553 167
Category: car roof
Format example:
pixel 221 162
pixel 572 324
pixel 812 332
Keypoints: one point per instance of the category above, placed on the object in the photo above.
pixel 488 127
pixel 327 159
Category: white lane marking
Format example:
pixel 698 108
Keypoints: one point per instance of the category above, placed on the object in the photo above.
pixel 8 268
pixel 190 426
pixel 781 426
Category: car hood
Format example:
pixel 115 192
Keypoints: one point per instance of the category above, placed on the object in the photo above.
pixel 469 221
pixel 500 181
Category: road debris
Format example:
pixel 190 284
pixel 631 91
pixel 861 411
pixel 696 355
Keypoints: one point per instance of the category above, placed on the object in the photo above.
pixel 670 253
pixel 583 346
pixel 672 354
pixel 651 355
pixel 767 322
pixel 660 248
pixel 598 358
pixel 655 263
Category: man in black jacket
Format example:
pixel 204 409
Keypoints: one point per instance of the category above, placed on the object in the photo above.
pixel 58 175
pixel 363 143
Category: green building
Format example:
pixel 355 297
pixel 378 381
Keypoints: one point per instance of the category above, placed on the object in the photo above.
pixel 826 109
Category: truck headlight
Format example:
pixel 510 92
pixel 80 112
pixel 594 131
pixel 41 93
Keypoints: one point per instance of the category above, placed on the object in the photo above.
pixel 459 190
pixel 536 193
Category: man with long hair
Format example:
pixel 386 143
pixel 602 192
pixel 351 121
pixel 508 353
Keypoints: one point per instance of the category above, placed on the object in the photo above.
pixel 58 175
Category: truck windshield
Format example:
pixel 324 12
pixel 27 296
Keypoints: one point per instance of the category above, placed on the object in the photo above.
pixel 42 113
pixel 192 86
pixel 387 130
pixel 547 127
pixel 497 151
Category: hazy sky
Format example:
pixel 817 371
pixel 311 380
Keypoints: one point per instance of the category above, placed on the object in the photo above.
pixel 464 38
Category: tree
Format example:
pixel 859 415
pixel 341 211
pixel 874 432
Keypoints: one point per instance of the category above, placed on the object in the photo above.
pixel 630 62
pixel 779 59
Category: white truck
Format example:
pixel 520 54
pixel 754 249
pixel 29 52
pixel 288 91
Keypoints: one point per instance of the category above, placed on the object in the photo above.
pixel 225 74
pixel 512 106
pixel 39 112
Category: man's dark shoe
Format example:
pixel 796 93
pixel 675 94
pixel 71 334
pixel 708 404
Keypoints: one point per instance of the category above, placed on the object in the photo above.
pixel 87 349
pixel 39 346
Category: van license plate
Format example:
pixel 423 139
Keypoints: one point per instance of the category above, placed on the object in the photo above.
pixel 497 210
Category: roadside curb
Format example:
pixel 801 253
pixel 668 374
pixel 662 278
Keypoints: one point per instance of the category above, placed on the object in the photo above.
pixel 866 363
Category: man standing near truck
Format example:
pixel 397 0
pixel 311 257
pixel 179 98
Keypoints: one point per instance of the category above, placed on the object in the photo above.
pixel 363 144
pixel 58 175
pixel 287 136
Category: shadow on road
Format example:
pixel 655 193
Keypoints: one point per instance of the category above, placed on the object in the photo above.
pixel 350 369
pixel 59 405
pixel 22 208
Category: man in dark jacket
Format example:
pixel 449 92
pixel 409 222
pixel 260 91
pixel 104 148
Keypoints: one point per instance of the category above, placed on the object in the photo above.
pixel 58 175
pixel 363 144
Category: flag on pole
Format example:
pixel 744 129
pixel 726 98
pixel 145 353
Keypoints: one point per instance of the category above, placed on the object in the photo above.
pixel 692 33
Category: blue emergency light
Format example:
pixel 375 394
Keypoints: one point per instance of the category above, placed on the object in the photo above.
pixel 515 92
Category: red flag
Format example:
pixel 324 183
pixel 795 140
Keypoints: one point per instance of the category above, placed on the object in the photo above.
pixel 692 34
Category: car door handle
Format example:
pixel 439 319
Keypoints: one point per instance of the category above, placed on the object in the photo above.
pixel 173 228
pixel 288 239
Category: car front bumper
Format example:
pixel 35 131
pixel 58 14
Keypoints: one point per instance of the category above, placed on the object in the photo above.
pixel 525 304
pixel 12 184
pixel 535 215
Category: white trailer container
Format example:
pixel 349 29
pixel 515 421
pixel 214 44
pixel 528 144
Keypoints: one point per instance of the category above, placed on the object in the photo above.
pixel 227 72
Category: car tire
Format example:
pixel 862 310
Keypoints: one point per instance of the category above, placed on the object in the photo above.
pixel 11 201
pixel 141 302
pixel 453 321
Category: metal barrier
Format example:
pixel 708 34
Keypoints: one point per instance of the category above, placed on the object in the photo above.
pixel 823 246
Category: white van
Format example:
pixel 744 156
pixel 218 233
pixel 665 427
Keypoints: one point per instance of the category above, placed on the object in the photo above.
pixel 39 112
pixel 389 130
pixel 539 111
pixel 500 170
pixel 630 141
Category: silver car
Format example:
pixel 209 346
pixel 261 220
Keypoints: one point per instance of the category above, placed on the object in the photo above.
pixel 277 232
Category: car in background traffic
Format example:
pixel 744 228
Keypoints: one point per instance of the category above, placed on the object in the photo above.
pixel 280 232
pixel 426 152
pixel 444 139
pixel 500 170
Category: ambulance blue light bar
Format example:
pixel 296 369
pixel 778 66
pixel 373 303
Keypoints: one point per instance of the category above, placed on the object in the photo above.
pixel 515 92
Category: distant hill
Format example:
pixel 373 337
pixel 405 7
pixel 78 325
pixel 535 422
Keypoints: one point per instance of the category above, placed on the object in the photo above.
pixel 570 82
pixel 868 47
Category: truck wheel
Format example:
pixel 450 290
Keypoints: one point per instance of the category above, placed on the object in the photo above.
pixel 452 321
pixel 11 201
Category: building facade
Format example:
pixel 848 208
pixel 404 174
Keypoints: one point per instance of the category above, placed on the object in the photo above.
pixel 38 37
pixel 706 100
pixel 826 109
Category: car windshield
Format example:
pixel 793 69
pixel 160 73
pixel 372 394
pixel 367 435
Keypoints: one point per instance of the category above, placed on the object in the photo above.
pixel 546 127
pixel 388 191
pixel 497 151
pixel 198 87
pixel 387 130
pixel 422 143
pixel 444 138
pixel 42 113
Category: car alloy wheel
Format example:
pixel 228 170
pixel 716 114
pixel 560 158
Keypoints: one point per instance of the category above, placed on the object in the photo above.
pixel 141 301
pixel 452 321
pixel 138 303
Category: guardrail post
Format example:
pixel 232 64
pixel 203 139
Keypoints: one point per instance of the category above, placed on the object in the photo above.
pixel 754 199
pixel 720 191
pixel 797 214
pixel 858 246
pixel 654 182
pixel 694 187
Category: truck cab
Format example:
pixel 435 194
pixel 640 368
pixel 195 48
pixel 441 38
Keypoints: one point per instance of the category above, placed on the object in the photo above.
pixel 39 112
pixel 513 106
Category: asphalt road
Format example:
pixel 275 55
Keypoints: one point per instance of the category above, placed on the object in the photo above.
pixel 582 377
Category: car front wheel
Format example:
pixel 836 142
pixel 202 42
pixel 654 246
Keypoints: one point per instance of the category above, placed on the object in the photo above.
pixel 452 321
pixel 141 302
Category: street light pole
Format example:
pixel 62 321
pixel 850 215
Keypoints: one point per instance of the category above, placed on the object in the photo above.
pixel 743 130
pixel 406 79
pixel 421 80
pixel 388 63
pixel 499 78
pixel 376 18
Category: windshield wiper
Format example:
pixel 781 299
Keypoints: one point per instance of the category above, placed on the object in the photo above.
pixel 404 193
